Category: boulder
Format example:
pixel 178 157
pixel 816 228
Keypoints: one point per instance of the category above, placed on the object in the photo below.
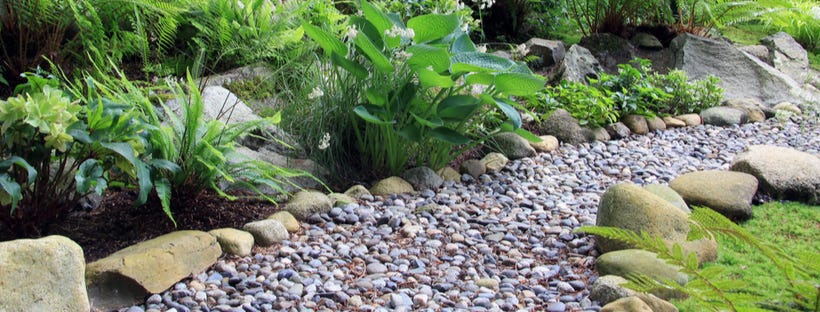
pixel 267 232
pixel 636 124
pixel 741 75
pixel 578 65
pixel 646 41
pixel 307 202
pixel 689 119
pixel 287 220
pixel 233 241
pixel 729 193
pixel 759 51
pixel 618 130
pixel 423 178
pixel 357 191
pixel 637 261
pixel 598 134
pixel 754 108
pixel 783 173
pixel 551 52
pixel 340 199
pixel 672 122
pixel 630 207
pixel 723 116
pixel 610 50
pixel 789 107
pixel 669 195
pixel 494 162
pixel 127 276
pixel 628 304
pixel 390 186
pixel 609 288
pixel 473 167
pixel 655 123
pixel 512 145
pixel 242 73
pixel 46 274
pixel 548 144
pixel 788 56
pixel 564 127
pixel 449 174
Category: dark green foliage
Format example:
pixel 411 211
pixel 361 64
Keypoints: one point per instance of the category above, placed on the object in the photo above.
pixel 631 89
pixel 591 106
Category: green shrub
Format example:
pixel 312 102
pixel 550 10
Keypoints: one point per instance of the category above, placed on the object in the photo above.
pixel 631 89
pixel 56 150
pixel 591 106
pixel 687 96
pixel 401 93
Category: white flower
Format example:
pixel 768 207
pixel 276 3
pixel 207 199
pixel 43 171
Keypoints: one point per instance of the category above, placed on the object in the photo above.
pixel 465 27
pixel 520 51
pixel 315 93
pixel 352 32
pixel 396 31
pixel 403 55
pixel 481 48
pixel 485 4
pixel 325 142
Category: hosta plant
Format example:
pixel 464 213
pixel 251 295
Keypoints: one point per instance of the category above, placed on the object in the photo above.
pixel 56 149
pixel 411 92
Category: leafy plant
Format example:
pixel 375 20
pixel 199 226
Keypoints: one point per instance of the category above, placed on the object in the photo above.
pixel 631 89
pixel 591 106
pixel 408 87
pixel 687 96
pixel 601 16
pixel 708 286
pixel 205 154
pixel 56 150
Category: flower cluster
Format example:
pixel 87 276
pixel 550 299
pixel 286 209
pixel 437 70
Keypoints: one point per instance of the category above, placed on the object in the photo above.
pixel 520 51
pixel 396 31
pixel 485 4
pixel 351 32
pixel 325 142
pixel 316 93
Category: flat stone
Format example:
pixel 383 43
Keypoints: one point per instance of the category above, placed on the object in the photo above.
pixel 783 172
pixel 233 241
pixel 267 232
pixel 672 122
pixel 494 162
pixel 307 202
pixel 390 186
pixel 548 144
pixel 689 119
pixel 729 193
pixel 287 219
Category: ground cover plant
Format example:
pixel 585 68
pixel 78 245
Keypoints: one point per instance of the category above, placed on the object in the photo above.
pixel 757 270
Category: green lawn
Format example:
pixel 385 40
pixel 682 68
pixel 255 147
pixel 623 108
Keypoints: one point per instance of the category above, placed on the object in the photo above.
pixel 793 227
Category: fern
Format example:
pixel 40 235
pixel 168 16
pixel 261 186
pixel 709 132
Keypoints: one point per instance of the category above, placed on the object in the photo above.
pixel 707 286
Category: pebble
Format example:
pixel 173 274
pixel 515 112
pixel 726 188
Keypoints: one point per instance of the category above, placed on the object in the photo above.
pixel 501 242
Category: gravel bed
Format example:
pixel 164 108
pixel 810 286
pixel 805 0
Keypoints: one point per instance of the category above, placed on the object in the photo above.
pixel 503 242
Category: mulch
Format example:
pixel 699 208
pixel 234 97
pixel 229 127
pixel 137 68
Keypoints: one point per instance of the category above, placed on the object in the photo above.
pixel 117 223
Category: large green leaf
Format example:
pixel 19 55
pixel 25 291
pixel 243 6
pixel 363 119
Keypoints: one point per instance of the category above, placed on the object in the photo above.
pixel 381 21
pixel 143 173
pixel 434 122
pixel 529 136
pixel 449 135
pixel 11 189
pixel 367 28
pixel 481 78
pixel 376 97
pixel 163 188
pixel 510 111
pixel 90 176
pixel 362 112
pixel 479 62
pixel 432 26
pixel 429 79
pixel 372 53
pixel 329 43
pixel 427 55
pixel 519 84
pixel 354 68
pixel 411 132
pixel 31 173
pixel 457 107
pixel 463 44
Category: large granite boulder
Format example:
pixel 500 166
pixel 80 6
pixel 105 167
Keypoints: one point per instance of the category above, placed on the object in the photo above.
pixel 788 56
pixel 512 145
pixel 783 172
pixel 759 51
pixel 307 202
pixel 423 178
pixel 741 74
pixel 579 64
pixel 646 41
pixel 723 116
pixel 729 193
pixel 630 207
pixel 126 277
pixel 610 50
pixel 551 52
pixel 563 126
pixel 46 274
